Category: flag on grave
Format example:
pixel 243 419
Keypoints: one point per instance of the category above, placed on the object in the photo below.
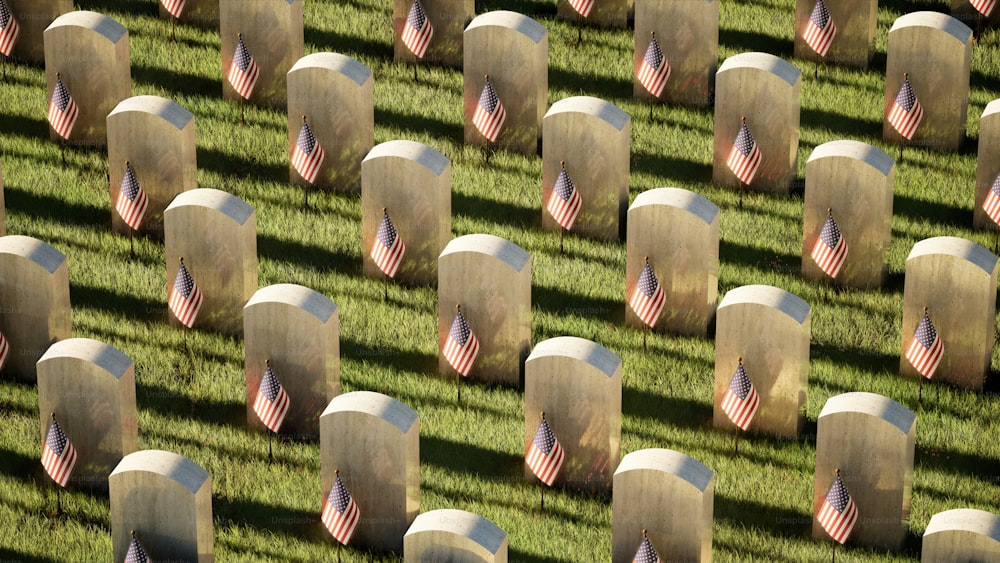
pixel 744 157
pixel 307 154
pixel 820 29
pixel 243 72
pixel 185 297
pixel 8 29
pixel 461 347
pixel 174 7
pixel 648 297
pixel 340 512
pixel 387 250
pixel 830 250
pixel 63 110
pixel 490 113
pixel 646 552
pixel 906 112
pixel 838 513
pixel 545 455
pixel 582 7
pixel 417 31
pixel 654 70
pixel 741 401
pixel 564 201
pixel 992 203
pixel 58 454
pixel 271 404
pixel 132 201
pixel 926 348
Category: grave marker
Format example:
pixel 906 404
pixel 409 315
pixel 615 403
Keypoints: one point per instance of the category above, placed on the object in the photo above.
pixel 32 17
pixel 273 33
pixel 987 167
pixel 447 19
pixel 454 535
pixel 853 42
pixel 688 36
pixel 962 534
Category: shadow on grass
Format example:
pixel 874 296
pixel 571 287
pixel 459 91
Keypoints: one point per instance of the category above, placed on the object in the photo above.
pixel 470 459
pixel 171 403
pixel 493 211
pixel 282 520
pixel 308 256
pixel 762 259
pixel 532 8
pixel 848 127
pixel 241 163
pixel 920 210
pixel 610 88
pixel 682 413
pixel 399 360
pixel 178 82
pixel 776 521
pixel 954 462
pixel 748 41
pixel 558 302
pixel 11 555
pixel 56 210
pixel 121 303
pixel 678 169
pixel 349 45
pixel 863 360
pixel 420 124
pixel 13 126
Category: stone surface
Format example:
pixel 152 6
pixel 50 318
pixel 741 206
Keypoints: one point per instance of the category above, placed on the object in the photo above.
pixel 671 496
pixel 448 20
pixel 608 13
pixel 32 17
pixel 592 137
pixel 374 441
pixel 988 162
pixel 769 328
pixel 456 536
pixel 412 181
pixel 335 93
pixel 167 500
pixel 273 32
pixel 963 11
pixel 157 137
pixel 203 13
pixel 90 53
pixel 34 301
pixel 766 90
pixel 870 439
pixel 90 387
pixel 3 206
pixel 688 34
pixel 856 22
pixel 513 50
pixel 216 234
pixel 491 279
pixel 936 51
pixel 962 534
pixel 298 330
pixel 855 181
pixel 679 231
pixel 956 279
pixel 578 385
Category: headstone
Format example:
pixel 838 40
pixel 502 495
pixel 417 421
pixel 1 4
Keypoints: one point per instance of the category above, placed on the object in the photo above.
pixel 988 162
pixel 216 234
pixel 513 50
pixel 298 330
pixel 412 182
pixel 374 442
pixel 447 18
pixel 688 36
pixel 166 499
pixel 274 34
pixel 671 496
pixel 454 535
pixel 32 17
pixel 157 138
pixel 769 329
pixel 335 94
pixel 962 534
pixel 956 280
pixel 765 90
pixel 578 385
pixel 90 54
pixel 853 43
pixel 963 11
pixel 934 51
pixel 854 181
pixel 90 387
pixel 3 206
pixel 34 301
pixel 491 279
pixel 589 138
pixel 678 231
pixel 870 439
pixel 203 13
pixel 609 13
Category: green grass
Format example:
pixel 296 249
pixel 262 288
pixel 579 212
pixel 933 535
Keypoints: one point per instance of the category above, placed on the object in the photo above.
pixel 471 455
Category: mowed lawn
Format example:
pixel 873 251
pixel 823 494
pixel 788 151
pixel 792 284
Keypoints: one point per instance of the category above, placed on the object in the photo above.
pixel 472 454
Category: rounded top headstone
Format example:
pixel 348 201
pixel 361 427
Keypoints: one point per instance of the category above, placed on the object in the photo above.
pixel 167 110
pixel 503 18
pixel 763 61
pixel 461 523
pixel 336 62
pixel 376 404
pixel 955 246
pixel 300 297
pixel 696 204
pixel 935 20
pixel 871 404
pixel 857 150
pixel 105 356
pixel 410 150
pixel 967 520
pixel 41 253
pixel 99 23
pixel 992 108
pixel 223 202
pixel 770 296
pixel 511 254
pixel 175 467
pixel 580 349
pixel 694 472
pixel 601 109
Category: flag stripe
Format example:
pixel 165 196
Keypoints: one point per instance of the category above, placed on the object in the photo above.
pixel 984 7
pixel 741 412
pixel 4 350
pixel 829 259
pixel 9 33
pixel 174 7
pixel 582 7
pixel 925 360
pixel 417 30
pixel 489 124
pixel 653 76
pixel 545 467
pixel 565 212
pixel 272 414
pixel 992 205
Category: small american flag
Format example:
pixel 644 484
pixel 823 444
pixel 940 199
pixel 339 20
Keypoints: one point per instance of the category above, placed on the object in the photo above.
pixel 132 201
pixel 906 112
pixel 58 454
pixel 62 110
pixel 135 553
pixel 340 512
pixel 564 202
pixel 654 69
pixel 984 7
pixel 8 29
pixel 417 31
pixel 830 250
pixel 744 157
pixel 545 455
pixel 272 402
pixel 490 114
pixel 838 514
pixel 648 297
pixel 582 7
pixel 243 73
pixel 646 552
pixel 175 7
pixel 307 154
pixel 926 349
pixel 992 202
pixel 461 346
pixel 741 401
pixel 387 250
pixel 820 29
pixel 4 350
pixel 185 297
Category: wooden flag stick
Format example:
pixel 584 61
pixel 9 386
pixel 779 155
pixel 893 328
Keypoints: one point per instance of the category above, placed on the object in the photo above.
pixel 644 328
pixel 173 36
pixel 741 194
pixel 737 448
pixel 996 237
pixel 833 553
pixel 562 233
pixel 131 243
pixel 579 28
pixel 458 385
pixel 339 545
pixel 542 487
pixel 920 390
pixel 270 454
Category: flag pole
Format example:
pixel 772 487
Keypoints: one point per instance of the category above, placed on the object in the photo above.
pixel 833 552
pixel 173 36
pixel 644 328
pixel 488 142
pixel 458 376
